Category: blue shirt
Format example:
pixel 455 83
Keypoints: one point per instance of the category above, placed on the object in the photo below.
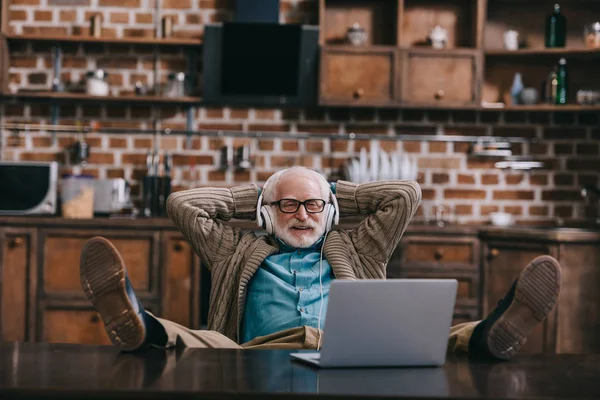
pixel 284 292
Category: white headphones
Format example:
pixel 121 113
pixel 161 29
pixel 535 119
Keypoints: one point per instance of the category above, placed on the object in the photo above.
pixel 266 219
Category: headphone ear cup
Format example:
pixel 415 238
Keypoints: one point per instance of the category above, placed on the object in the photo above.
pixel 329 216
pixel 268 220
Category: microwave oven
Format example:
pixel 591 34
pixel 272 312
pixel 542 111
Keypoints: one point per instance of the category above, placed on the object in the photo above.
pixel 28 188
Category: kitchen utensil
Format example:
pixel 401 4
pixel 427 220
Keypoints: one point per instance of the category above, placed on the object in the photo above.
pixel 167 26
pixel 96 84
pixel 77 196
pixel 529 96
pixel 395 166
pixel 356 35
pixel 591 35
pixel 511 40
pixel 438 37
pixel 500 218
pixel 96 25
pixel 516 89
pixel 176 85
pixel 364 171
pixel 374 161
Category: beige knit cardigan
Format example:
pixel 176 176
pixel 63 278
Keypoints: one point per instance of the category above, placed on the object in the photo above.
pixel 233 256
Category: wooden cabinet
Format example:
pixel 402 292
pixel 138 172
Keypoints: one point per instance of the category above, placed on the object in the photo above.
pixel 433 77
pixel 17 283
pixel 355 77
pixel 181 300
pixel 503 261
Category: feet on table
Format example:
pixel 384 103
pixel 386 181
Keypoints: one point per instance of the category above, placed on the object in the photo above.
pixel 105 283
pixel 528 302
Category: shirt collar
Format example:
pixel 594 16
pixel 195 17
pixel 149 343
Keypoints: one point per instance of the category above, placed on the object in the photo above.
pixel 286 248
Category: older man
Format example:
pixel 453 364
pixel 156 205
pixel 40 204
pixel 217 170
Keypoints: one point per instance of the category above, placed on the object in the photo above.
pixel 271 291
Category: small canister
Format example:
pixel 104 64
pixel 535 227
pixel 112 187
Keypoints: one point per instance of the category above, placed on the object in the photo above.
pixel 167 26
pixel 96 25
pixel 96 83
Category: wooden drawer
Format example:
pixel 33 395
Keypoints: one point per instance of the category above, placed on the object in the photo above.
pixel 438 251
pixel 439 78
pixel 61 251
pixel 365 77
pixel 80 326
pixel 467 293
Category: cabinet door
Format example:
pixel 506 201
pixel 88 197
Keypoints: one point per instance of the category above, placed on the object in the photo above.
pixel 17 283
pixel 61 251
pixel 73 325
pixel 358 77
pixel 444 78
pixel 181 294
pixel 503 262
pixel 579 302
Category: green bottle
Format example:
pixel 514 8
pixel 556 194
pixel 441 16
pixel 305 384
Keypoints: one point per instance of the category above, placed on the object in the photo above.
pixel 563 82
pixel 556 28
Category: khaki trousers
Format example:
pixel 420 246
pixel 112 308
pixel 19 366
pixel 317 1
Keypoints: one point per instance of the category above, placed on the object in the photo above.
pixel 304 337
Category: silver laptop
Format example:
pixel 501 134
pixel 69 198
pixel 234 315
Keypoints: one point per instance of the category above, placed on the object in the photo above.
pixel 386 323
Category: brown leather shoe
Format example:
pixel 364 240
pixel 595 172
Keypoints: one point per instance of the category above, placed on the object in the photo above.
pixel 105 283
pixel 529 301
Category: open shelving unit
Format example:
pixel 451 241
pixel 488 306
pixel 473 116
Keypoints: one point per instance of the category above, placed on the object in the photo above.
pixel 181 42
pixel 473 69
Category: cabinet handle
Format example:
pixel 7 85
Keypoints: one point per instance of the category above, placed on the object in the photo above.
pixel 94 319
pixel 358 93
pixel 439 94
pixel 438 254
pixel 15 242
pixel 178 247
pixel 493 253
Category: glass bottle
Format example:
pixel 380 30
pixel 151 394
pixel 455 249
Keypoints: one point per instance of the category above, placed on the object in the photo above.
pixel 563 82
pixel 552 86
pixel 556 28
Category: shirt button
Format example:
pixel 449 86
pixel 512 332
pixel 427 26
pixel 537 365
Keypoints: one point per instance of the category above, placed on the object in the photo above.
pixel 301 309
pixel 300 289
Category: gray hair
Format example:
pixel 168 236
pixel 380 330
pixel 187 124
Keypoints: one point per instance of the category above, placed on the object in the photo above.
pixel 273 181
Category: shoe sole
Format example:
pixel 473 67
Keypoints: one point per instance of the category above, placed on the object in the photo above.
pixel 536 295
pixel 102 275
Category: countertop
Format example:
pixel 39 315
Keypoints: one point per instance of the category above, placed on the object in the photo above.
pixel 59 371
pixel 581 232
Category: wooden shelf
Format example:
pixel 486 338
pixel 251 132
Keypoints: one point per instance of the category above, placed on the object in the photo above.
pixel 190 100
pixel 547 107
pixel 106 40
pixel 540 52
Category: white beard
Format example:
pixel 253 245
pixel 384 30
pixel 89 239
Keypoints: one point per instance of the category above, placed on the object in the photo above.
pixel 284 232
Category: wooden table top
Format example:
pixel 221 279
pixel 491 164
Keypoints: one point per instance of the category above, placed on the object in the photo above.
pixel 38 370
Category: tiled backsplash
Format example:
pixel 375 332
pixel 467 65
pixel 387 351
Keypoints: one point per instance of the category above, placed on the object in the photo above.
pixel 568 143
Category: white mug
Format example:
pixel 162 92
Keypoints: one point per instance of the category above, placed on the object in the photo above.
pixel 511 40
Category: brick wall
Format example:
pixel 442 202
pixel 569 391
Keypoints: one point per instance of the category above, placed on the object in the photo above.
pixel 568 142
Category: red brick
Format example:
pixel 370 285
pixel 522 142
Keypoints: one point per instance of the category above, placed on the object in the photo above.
pixel 144 18
pixel 139 32
pixel 339 145
pixel 461 147
pixel 314 146
pixel 563 148
pixel 481 164
pixel 389 146
pixel 513 195
pixel 514 179
pixel 269 127
pixel 538 211
pixel 489 179
pixel 262 176
pixel 17 15
pixel 264 114
pixel 370 129
pixel 564 180
pixel 538 179
pixel 314 128
pixel 463 209
pixel 514 131
pixel 241 176
pixel 290 145
pixel 413 115
pixel 428 194
pixel 411 147
pixel 538 148
pixel 465 130
pixel 179 4
pixel 119 3
pixel 440 162
pixel 514 210
pixel 486 209
pixel 238 113
pixel 587 149
pixel 214 112
pixel 67 15
pixel 42 15
pixel 587 179
pixel 37 78
pixel 464 194
pixel 583 164
pixel 388 115
pixel 25 2
pixel 563 211
pixel 101 158
pixel 182 159
pixel 119 18
pixel 112 173
pixel 217 175
pixel 363 114
pixel 118 143
pixel 74 62
pixel 192 19
pixel 413 130
pixel 464 179
pixel 564 133
pixel 45 30
pixel 266 144
pixel 136 159
pixel 23 61
pixel 140 112
pixel 42 141
pixel 220 126
pixel 438 147
pixel 60 157
pixel 440 178
pixel 561 195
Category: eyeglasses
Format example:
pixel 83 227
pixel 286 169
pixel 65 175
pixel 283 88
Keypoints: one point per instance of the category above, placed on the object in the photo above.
pixel 291 206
